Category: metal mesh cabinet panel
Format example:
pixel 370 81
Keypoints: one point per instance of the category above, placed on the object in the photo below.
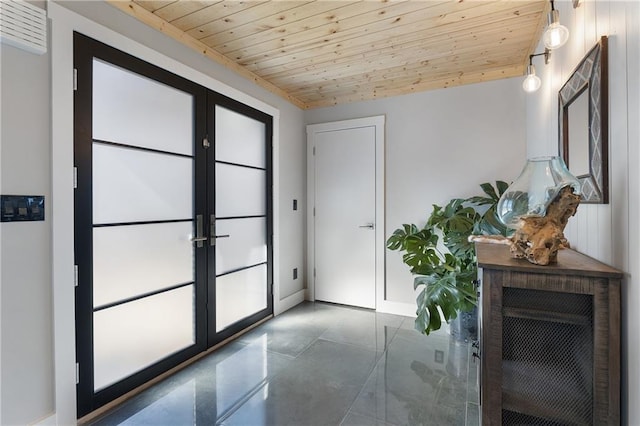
pixel 512 418
pixel 547 356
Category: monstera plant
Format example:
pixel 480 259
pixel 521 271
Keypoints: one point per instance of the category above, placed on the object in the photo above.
pixel 441 257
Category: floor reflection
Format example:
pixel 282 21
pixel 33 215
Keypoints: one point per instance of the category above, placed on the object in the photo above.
pixel 319 364
pixel 178 406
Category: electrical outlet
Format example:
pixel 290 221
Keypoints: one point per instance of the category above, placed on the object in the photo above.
pixel 295 273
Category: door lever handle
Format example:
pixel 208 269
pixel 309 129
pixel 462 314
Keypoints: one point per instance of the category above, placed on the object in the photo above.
pixel 198 239
pixel 368 225
pixel 212 231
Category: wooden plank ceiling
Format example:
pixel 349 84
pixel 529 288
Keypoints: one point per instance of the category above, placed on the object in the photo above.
pixel 329 52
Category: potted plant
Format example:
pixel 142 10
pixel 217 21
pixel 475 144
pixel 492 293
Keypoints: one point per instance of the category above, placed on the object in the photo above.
pixel 441 257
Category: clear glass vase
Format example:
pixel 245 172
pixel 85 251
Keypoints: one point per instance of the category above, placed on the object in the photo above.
pixel 537 186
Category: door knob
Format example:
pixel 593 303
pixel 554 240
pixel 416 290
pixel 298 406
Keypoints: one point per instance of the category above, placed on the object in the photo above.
pixel 368 225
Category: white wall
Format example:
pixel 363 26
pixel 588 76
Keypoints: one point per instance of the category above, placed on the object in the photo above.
pixel 609 232
pixel 440 144
pixel 26 369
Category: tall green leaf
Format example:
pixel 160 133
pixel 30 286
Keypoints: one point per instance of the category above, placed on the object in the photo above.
pixel 446 280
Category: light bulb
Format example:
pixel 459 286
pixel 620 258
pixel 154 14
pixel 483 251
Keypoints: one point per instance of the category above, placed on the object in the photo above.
pixel 556 34
pixel 532 82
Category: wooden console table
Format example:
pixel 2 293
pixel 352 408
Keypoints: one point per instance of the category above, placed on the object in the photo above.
pixel 549 340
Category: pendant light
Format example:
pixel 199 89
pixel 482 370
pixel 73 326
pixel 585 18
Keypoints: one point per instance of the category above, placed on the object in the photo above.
pixel 556 34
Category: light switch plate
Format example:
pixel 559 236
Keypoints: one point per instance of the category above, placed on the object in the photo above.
pixel 21 208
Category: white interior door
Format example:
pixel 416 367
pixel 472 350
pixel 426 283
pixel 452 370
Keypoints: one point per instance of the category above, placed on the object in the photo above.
pixel 345 216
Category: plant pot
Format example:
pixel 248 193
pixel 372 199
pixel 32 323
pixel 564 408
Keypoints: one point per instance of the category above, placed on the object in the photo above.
pixel 465 326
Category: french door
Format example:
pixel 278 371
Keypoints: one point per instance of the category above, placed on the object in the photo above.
pixel 173 234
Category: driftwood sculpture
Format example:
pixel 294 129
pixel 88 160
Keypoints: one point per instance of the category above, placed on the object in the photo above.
pixel 538 239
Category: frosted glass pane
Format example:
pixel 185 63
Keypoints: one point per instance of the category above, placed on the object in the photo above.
pixel 132 260
pixel 132 186
pixel 240 191
pixel 132 336
pixel 239 295
pixel 134 110
pixel 246 245
pixel 239 139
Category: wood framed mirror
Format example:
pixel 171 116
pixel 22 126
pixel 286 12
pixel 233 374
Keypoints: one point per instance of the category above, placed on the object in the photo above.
pixel 583 122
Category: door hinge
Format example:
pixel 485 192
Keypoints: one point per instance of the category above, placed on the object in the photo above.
pixel 75 275
pixel 75 79
pixel 77 373
pixel 314 211
pixel 205 142
pixel 314 150
pixel 212 230
pixel 75 177
pixel 314 272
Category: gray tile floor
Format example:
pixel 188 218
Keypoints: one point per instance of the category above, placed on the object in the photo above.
pixel 319 364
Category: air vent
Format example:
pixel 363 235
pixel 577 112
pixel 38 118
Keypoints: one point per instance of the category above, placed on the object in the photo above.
pixel 23 25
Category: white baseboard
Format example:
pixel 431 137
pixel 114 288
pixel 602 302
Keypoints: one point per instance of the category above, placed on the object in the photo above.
pixel 308 295
pixel 289 302
pixel 47 421
pixel 397 308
